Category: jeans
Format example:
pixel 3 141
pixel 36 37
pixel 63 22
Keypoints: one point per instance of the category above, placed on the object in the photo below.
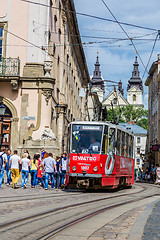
pixel 25 175
pixel 1 176
pixel 63 176
pixel 33 177
pixel 41 181
pixel 47 179
pixel 57 179
pixel 8 172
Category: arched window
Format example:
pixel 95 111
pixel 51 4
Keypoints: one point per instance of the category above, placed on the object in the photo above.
pixel 134 98
pixel 115 101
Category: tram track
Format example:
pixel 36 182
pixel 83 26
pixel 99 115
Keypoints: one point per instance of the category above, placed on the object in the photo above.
pixel 55 232
pixel 64 223
pixel 55 210
pixel 37 198
pixel 21 198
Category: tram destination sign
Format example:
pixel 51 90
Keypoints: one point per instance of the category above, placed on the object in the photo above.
pixel 156 147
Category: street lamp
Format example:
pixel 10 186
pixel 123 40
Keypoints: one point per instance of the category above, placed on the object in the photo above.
pixel 2 112
pixel 58 109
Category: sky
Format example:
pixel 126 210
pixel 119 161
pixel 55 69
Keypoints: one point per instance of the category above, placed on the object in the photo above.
pixel 117 56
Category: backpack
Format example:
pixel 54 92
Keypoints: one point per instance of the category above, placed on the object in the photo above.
pixel 1 161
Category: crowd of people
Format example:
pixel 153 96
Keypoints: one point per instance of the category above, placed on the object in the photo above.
pixel 151 174
pixel 43 169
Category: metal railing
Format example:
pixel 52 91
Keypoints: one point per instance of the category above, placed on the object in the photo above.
pixel 9 67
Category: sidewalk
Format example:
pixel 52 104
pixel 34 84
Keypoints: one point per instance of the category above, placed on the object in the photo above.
pixel 141 223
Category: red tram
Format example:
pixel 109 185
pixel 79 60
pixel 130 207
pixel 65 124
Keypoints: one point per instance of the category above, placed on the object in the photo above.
pixel 100 155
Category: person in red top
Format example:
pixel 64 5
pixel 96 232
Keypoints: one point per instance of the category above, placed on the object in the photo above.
pixel 39 176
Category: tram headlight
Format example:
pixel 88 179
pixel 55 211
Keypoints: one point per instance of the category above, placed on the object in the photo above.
pixel 95 169
pixel 74 168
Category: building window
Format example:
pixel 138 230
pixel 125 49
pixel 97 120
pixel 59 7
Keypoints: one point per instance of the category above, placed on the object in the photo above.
pixel 115 101
pixel 138 150
pixel 138 140
pixel 1 42
pixel 59 34
pixel 134 98
pixel 55 23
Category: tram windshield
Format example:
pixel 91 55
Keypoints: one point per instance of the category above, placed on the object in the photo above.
pixel 86 138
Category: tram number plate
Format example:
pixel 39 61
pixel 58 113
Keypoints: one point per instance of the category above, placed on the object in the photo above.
pixel 85 168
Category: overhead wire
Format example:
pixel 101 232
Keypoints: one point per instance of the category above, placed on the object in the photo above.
pixel 125 33
pixel 51 55
pixel 91 16
pixel 150 55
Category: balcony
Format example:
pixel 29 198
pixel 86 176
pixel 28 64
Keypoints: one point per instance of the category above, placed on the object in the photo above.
pixel 9 67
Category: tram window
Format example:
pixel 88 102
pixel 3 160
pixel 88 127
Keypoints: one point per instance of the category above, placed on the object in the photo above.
pixel 112 139
pixel 118 142
pixel 130 146
pixel 126 145
pixel 123 144
pixel 105 140
pixel 86 138
pixel 69 140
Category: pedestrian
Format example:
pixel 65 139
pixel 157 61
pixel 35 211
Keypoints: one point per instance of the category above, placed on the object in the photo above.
pixel 49 164
pixel 158 174
pixel 33 170
pixel 57 175
pixel 28 156
pixel 64 167
pixel 3 161
pixel 14 163
pixel 25 169
pixel 44 154
pixel 39 160
pixel 39 176
pixel 8 168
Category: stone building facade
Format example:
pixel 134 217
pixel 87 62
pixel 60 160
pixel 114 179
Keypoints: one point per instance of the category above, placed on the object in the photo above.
pixel 42 70
pixel 153 136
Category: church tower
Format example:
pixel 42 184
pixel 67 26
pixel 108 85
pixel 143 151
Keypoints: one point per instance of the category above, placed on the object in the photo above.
pixel 97 82
pixel 135 87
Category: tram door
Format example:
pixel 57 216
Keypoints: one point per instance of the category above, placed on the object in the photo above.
pixel 6 128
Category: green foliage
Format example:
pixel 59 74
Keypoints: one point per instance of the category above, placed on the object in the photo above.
pixel 129 114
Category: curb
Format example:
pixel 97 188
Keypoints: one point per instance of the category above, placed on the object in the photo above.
pixel 137 230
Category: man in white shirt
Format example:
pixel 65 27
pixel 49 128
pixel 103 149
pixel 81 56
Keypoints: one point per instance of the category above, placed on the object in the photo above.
pixel 49 164
pixel 4 161
pixel 14 163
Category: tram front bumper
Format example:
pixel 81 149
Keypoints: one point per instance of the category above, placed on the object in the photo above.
pixel 86 175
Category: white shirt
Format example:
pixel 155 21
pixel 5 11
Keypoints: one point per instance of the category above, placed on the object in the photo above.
pixel 95 146
pixel 25 162
pixel 49 164
pixel 64 164
pixel 4 157
pixel 15 161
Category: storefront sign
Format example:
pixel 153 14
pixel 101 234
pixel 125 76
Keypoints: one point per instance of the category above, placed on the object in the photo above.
pixel 29 118
pixel 156 147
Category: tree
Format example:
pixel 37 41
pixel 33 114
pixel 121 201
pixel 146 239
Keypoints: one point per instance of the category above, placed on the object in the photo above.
pixel 128 114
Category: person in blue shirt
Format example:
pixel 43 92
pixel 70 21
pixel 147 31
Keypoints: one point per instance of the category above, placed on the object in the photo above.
pixel 8 168
pixel 57 175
